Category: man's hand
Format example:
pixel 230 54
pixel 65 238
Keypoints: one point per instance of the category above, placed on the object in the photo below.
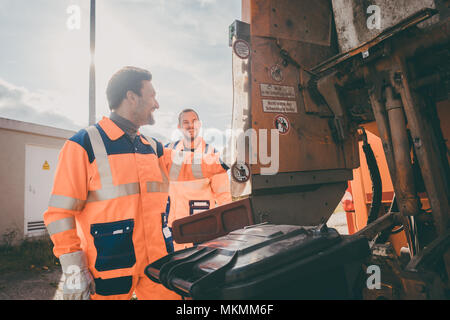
pixel 79 283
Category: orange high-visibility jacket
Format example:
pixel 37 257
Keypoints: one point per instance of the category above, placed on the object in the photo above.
pixel 109 194
pixel 203 193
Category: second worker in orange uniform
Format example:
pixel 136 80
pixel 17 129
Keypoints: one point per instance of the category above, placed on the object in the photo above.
pixel 189 197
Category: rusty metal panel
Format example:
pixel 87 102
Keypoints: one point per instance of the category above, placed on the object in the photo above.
pixel 356 26
pixel 259 17
pixel 298 20
pixel 306 21
pixel 269 88
pixel 308 206
pixel 311 135
pixel 246 11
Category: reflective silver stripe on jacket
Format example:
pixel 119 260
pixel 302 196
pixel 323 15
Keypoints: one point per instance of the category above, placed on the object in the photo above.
pixel 197 166
pixel 113 192
pixel 155 186
pixel 108 190
pixel 67 203
pixel 177 162
pixel 101 156
pixel 61 225
pixel 153 144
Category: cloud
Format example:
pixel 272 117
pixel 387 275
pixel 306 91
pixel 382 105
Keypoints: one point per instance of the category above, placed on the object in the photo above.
pixel 38 107
pixel 184 43
pixel 185 47
pixel 18 103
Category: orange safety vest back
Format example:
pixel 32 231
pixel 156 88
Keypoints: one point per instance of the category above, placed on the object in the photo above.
pixel 108 197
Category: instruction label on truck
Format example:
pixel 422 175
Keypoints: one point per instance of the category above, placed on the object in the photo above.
pixel 274 90
pixel 281 106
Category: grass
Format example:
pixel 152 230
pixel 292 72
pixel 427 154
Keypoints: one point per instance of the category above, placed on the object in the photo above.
pixel 29 254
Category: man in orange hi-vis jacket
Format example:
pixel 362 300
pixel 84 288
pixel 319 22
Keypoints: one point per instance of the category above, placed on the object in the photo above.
pixel 110 189
pixel 193 196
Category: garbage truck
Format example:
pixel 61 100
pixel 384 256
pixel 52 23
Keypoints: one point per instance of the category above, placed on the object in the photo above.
pixel 312 80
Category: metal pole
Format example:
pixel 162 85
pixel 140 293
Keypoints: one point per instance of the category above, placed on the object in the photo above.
pixel 433 176
pixel 92 67
pixel 379 111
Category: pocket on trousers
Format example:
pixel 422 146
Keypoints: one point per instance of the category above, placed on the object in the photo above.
pixel 114 244
pixel 197 206
pixel 114 286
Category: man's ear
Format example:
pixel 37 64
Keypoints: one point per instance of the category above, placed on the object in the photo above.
pixel 131 96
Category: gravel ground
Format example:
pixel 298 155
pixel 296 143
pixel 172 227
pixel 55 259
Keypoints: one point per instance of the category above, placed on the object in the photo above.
pixel 33 285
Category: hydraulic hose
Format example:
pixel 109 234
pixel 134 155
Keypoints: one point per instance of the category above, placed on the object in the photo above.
pixel 374 177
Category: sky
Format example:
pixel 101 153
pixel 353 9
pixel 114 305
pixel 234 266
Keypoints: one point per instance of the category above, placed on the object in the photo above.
pixel 44 59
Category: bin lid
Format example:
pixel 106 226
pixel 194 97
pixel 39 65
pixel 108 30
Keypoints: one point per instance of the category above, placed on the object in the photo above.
pixel 239 256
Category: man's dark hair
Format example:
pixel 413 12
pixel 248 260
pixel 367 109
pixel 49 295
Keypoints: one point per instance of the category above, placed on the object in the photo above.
pixel 124 80
pixel 187 110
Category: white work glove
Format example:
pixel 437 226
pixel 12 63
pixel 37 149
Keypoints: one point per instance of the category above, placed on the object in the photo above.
pixel 79 283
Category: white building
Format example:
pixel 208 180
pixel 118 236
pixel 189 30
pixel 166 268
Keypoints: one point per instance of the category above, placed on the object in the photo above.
pixel 28 158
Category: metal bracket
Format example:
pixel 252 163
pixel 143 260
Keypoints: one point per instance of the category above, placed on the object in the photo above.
pixel 327 88
pixel 240 30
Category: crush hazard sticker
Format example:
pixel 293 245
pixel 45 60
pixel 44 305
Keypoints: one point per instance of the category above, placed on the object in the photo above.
pixel 282 124
pixel 242 49
pixel 240 172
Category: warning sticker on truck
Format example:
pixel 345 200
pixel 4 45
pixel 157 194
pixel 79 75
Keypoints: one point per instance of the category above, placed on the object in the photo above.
pixel 281 106
pixel 274 90
pixel 241 49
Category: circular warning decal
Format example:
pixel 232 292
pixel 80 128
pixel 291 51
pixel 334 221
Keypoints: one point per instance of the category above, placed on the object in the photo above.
pixel 282 124
pixel 242 49
pixel 240 172
pixel 276 73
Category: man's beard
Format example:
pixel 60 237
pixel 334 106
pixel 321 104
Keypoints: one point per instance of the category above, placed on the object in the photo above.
pixel 151 120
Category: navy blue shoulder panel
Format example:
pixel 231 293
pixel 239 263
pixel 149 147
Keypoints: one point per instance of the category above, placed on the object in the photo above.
pixel 160 148
pixel 174 145
pixel 119 146
pixel 82 138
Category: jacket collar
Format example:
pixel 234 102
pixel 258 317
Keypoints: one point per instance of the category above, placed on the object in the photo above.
pixel 113 131
pixel 199 145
